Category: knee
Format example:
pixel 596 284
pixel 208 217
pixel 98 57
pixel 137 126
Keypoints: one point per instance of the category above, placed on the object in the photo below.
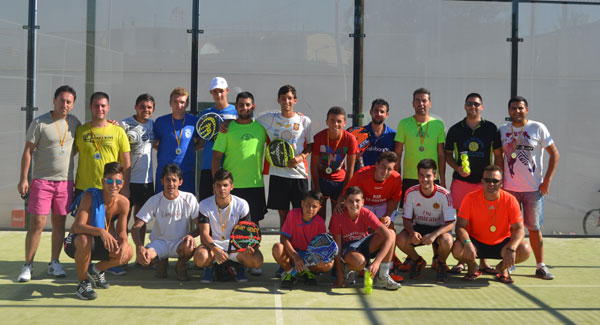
pixel 37 224
pixel 445 241
pixel 277 250
pixel 355 261
pixel 83 242
pixel 401 240
pixel 523 252
pixel 202 257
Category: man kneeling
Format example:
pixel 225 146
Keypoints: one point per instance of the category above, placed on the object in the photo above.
pixel 91 238
pixel 490 225
pixel 350 232
pixel 171 237
pixel 219 213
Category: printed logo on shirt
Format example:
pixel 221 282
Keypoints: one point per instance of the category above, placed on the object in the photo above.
pixel 188 133
pixel 436 206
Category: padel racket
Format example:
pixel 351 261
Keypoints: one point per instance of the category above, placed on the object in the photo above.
pixel 322 248
pixel 362 137
pixel 245 234
pixel 208 125
pixel 279 152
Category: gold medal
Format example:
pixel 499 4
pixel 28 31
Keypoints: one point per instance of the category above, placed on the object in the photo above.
pixel 222 237
pixel 97 156
pixel 493 228
pixel 513 155
pixel 178 151
pixel 61 152
pixel 421 148
pixel 328 170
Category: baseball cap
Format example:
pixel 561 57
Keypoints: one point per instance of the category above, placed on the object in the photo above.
pixel 218 82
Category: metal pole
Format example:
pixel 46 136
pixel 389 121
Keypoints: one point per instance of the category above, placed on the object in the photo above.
pixel 358 36
pixel 194 71
pixel 514 60
pixel 90 55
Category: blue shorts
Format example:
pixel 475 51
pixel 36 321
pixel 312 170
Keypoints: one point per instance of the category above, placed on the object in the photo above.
pixel 361 246
pixel 532 205
pixel 330 188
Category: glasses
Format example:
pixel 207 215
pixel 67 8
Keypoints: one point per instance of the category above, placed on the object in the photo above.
pixel 476 104
pixel 111 181
pixel 492 180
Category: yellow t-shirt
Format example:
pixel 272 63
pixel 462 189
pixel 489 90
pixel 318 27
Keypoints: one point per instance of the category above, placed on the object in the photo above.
pixel 111 140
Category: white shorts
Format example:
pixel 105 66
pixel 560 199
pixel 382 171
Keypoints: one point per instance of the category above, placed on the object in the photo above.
pixel 165 248
pixel 378 210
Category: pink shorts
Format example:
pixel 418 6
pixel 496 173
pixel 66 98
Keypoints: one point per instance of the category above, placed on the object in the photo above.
pixel 44 194
pixel 459 189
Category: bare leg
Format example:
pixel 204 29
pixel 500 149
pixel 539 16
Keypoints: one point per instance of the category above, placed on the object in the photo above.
pixel 537 245
pixel 32 240
pixel 282 216
pixel 58 234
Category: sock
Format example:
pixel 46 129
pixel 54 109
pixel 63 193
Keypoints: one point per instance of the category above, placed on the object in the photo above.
pixel 233 257
pixel 95 269
pixel 384 269
pixel 540 265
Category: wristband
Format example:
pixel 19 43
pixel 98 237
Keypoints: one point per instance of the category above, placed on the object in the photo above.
pixel 466 242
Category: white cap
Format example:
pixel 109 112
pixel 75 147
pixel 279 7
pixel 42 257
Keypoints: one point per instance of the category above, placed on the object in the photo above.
pixel 218 82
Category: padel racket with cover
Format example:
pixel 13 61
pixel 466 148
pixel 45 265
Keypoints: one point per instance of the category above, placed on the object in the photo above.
pixel 279 152
pixel 362 137
pixel 245 234
pixel 208 125
pixel 322 248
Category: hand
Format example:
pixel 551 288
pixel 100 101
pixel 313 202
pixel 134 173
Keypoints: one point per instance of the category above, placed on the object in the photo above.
pixel 509 258
pixel 109 242
pixel 224 127
pixel 143 255
pixel 220 255
pixel 292 163
pixel 113 122
pixel 23 187
pixel 249 251
pixel 339 207
pixel 469 253
pixel 416 238
pixel 386 221
pixel 544 187
pixel 299 263
pixel 189 242
pixel 427 239
pixel 462 172
pixel 373 268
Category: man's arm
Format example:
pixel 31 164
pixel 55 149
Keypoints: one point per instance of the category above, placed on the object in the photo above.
pixel 350 160
pixel 462 235
pixel 315 160
pixel 338 262
pixel 456 167
pixel 215 165
pixel 442 164
pixel 123 212
pixel 136 234
pixel 23 186
pixel 390 207
pixel 414 236
pixel 499 158
pixel 398 150
pixel 126 162
pixel 298 261
pixel 292 163
pixel 220 255
pixel 517 233
pixel 552 163
pixel 155 144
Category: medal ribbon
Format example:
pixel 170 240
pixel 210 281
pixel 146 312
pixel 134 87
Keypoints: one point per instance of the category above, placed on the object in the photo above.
pixel 334 149
pixel 97 144
pixel 62 140
pixel 223 224
pixel 512 134
pixel 420 128
pixel 180 131
pixel 490 214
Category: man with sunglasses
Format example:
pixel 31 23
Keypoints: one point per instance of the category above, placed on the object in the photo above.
pixel 94 236
pixel 473 140
pixel 490 225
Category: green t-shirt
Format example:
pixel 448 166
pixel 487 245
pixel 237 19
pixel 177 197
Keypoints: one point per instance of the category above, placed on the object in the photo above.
pixel 243 146
pixel 408 133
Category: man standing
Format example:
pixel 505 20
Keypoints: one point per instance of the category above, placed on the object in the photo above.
pixel 175 138
pixel 381 136
pixel 420 136
pixel 490 225
pixel 49 142
pixel 524 142
pixel 218 90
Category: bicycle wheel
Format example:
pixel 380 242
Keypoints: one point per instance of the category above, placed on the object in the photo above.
pixel 591 222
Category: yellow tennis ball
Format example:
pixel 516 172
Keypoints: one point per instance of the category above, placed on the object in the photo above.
pixel 464 156
pixel 465 163
pixel 467 170
pixel 368 290
pixel 368 281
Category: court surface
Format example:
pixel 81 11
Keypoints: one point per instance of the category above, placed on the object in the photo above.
pixel 573 297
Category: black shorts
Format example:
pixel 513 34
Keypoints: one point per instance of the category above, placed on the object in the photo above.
pixel 425 230
pixel 283 191
pixel 331 189
pixel 489 251
pixel 255 196
pixel 140 193
pixel 206 184
pixel 99 252
pixel 408 183
pixel 361 246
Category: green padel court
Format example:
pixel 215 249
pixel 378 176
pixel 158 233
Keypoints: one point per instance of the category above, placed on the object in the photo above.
pixel 573 297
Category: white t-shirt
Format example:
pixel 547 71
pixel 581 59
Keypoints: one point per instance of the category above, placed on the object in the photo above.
pixel 295 130
pixel 524 173
pixel 230 216
pixel 434 210
pixel 172 217
pixel 141 149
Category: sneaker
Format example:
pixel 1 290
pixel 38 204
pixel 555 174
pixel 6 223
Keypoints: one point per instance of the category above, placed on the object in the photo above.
pixel 309 278
pixel 85 291
pixel 543 273
pixel 434 262
pixel 442 272
pixel 416 268
pixel 386 282
pixel 404 267
pixel 26 271
pixel 208 275
pixel 397 277
pixel 512 269
pixel 279 272
pixel 117 270
pixel 98 279
pixel 161 268
pixel 54 268
pixel 349 275
pixel 288 280
pixel 396 261
pixel 241 274
pixel 256 271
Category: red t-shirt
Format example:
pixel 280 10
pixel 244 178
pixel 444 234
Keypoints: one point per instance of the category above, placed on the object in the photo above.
pixel 374 192
pixel 480 212
pixel 301 232
pixel 333 154
pixel 351 230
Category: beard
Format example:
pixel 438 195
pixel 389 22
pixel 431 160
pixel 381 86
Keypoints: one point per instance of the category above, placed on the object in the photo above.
pixel 378 122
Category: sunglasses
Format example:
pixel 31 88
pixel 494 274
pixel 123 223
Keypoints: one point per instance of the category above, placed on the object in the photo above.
pixel 111 181
pixel 473 104
pixel 492 180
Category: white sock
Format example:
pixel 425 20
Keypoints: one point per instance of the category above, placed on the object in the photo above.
pixel 233 257
pixel 540 265
pixel 384 269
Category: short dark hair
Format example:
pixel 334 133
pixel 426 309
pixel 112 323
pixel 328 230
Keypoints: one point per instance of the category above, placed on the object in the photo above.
pixel 144 98
pixel 353 190
pixel 286 89
pixel 312 194
pixel 172 168
pixel 493 168
pixel 65 88
pixel 336 110
pixel 389 156
pixel 421 91
pixel 99 95
pixel 474 95
pixel 381 101
pixel 221 175
pixel 427 164
pixel 244 94
pixel 518 99
pixel 113 168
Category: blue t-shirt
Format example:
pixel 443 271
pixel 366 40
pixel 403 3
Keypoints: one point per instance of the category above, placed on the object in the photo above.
pixel 377 145
pixel 164 130
pixel 228 113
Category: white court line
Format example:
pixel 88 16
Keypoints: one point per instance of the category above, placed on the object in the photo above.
pixel 278 310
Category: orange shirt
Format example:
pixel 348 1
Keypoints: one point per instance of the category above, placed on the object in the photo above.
pixel 480 212
pixel 374 192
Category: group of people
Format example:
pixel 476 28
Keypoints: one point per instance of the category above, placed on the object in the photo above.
pixel 115 175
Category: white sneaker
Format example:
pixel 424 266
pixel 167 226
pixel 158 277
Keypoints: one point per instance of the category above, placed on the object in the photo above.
pixel 256 271
pixel 386 282
pixel 26 271
pixel 54 268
